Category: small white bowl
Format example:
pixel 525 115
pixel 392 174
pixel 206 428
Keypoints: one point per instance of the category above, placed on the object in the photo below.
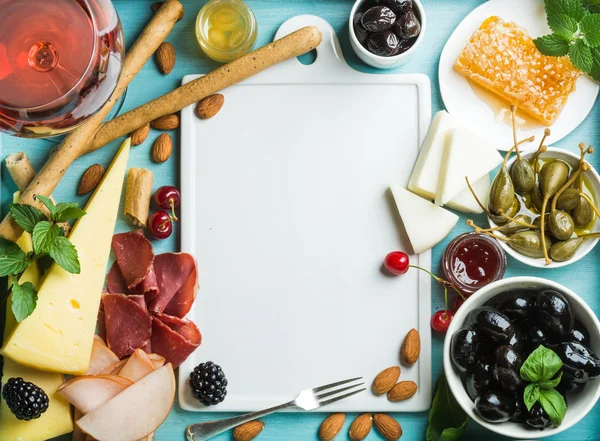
pixel 380 62
pixel 579 404
pixel 594 179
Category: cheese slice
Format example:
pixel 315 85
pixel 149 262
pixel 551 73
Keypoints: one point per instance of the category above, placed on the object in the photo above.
pixel 58 335
pixel 465 155
pixel 424 178
pixel 466 203
pixel 425 223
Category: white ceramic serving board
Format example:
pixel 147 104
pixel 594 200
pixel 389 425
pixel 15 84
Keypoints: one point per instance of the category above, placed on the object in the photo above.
pixel 287 209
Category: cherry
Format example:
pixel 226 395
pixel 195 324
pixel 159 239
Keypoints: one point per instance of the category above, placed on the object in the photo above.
pixel 160 224
pixel 169 198
pixel 440 321
pixel 397 262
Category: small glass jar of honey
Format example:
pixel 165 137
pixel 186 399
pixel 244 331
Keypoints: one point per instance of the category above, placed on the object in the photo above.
pixel 226 29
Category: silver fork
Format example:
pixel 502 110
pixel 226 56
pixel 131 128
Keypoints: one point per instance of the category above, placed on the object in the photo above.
pixel 309 399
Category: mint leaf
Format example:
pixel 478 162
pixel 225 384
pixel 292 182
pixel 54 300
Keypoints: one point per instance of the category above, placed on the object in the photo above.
pixel 550 384
pixel 554 404
pixel 590 26
pixel 13 259
pixel 570 8
pixel 26 216
pixel 552 45
pixel 581 56
pixel 24 300
pixel 563 26
pixel 542 364
pixel 44 234
pixel 64 254
pixel 447 420
pixel 48 203
pixel 593 6
pixel 531 395
pixel 68 210
pixel 595 73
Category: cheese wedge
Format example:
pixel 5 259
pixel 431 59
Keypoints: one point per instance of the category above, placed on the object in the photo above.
pixel 425 223
pixel 466 203
pixel 465 155
pixel 58 336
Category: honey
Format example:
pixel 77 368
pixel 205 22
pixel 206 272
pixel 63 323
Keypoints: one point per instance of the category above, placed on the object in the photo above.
pixel 226 29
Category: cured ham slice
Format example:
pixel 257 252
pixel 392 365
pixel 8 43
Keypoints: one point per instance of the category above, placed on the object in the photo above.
pixel 134 256
pixel 115 283
pixel 174 338
pixel 149 287
pixel 128 324
pixel 177 279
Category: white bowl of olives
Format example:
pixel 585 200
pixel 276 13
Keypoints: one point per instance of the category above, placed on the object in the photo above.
pixel 500 337
pixel 571 227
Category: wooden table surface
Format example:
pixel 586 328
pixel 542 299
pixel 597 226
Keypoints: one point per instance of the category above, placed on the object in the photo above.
pixel 443 17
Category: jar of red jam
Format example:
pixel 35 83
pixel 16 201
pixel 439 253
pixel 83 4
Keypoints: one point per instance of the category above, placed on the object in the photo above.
pixel 473 261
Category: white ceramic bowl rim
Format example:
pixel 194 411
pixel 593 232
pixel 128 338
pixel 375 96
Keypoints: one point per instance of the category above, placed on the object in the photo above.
pixel 516 430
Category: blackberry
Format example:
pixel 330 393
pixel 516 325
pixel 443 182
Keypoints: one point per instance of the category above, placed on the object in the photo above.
pixel 25 400
pixel 208 383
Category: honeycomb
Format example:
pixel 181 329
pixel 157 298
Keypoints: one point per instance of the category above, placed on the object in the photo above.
pixel 502 58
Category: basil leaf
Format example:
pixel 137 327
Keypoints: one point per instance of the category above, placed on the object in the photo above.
pixel 531 395
pixel 44 234
pixel 550 384
pixel 447 420
pixel 542 364
pixel 26 216
pixel 68 210
pixel 554 404
pixel 563 26
pixel 570 8
pixel 590 26
pixel 552 46
pixel 64 254
pixel 24 300
pixel 13 259
pixel 48 203
pixel 581 56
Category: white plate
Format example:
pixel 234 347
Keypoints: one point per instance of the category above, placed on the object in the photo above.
pixel 475 110
pixel 286 207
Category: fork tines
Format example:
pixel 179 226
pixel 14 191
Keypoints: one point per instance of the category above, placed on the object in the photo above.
pixel 334 390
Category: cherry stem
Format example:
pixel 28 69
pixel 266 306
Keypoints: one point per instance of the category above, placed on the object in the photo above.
pixel 173 216
pixel 164 224
pixel 441 281
pixel 446 301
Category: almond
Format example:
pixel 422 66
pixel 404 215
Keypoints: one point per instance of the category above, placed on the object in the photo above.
pixel 167 122
pixel 388 427
pixel 385 380
pixel 248 431
pixel 162 148
pixel 90 179
pixel 165 58
pixel 411 347
pixel 331 426
pixel 156 6
pixel 140 135
pixel 402 391
pixel 209 106
pixel 361 427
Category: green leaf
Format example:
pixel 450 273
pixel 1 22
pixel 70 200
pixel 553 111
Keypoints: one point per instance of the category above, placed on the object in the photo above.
pixel 447 420
pixel 550 384
pixel 26 216
pixel 542 364
pixel 563 26
pixel 590 26
pixel 570 8
pixel 44 234
pixel 68 210
pixel 48 203
pixel 593 6
pixel 64 254
pixel 24 300
pixel 552 45
pixel 554 404
pixel 531 395
pixel 13 259
pixel 581 56
pixel 595 73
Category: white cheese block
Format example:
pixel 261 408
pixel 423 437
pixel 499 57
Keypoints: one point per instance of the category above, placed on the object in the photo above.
pixel 425 223
pixel 466 203
pixel 465 155
pixel 424 178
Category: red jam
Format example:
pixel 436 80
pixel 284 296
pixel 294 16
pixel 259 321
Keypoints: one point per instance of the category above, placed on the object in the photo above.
pixel 473 261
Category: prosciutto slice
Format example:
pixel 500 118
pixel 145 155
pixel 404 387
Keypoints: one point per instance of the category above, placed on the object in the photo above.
pixel 128 323
pixel 149 287
pixel 115 283
pixel 174 338
pixel 134 256
pixel 177 279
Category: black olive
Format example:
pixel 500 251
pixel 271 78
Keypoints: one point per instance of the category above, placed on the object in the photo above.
pixel 398 6
pixel 535 335
pixel 384 44
pixel 580 365
pixel 360 32
pixel 496 405
pixel 407 26
pixel 507 368
pixel 517 341
pixel 537 417
pixel 521 409
pixel 464 347
pixel 493 324
pixel 478 378
pixel 517 306
pixel 566 387
pixel 378 18
pixel 554 312
pixel 580 334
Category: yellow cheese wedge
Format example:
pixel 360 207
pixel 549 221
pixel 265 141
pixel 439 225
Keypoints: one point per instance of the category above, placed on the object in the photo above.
pixel 58 336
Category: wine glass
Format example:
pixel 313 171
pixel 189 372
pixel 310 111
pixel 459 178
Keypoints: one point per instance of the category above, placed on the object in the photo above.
pixel 60 61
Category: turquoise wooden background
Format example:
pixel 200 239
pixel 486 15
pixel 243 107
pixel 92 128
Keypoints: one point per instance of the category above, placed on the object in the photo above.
pixel 443 16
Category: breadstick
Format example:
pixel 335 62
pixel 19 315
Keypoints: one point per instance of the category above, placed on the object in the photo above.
pixel 153 35
pixel 290 46
pixel 137 196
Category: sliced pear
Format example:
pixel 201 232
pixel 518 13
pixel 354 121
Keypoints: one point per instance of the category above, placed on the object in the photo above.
pixel 158 360
pixel 114 368
pixel 137 367
pixel 101 358
pixel 91 391
pixel 425 223
pixel 466 203
pixel 136 412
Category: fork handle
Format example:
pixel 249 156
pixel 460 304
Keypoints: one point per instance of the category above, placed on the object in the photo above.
pixel 205 431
